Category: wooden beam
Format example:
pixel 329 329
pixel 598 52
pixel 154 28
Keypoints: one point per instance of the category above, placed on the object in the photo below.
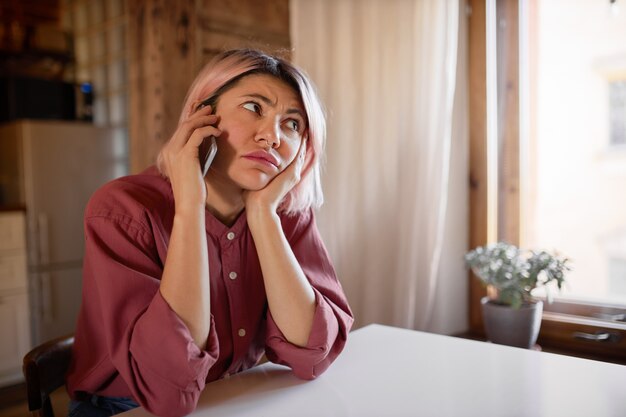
pixel 478 149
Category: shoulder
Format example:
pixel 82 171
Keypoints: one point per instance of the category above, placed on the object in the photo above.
pixel 131 198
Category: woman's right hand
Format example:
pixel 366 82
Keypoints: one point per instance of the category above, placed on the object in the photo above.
pixel 181 160
pixel 185 283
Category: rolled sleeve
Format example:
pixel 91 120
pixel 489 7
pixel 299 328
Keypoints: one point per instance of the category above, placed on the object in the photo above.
pixel 307 362
pixel 149 344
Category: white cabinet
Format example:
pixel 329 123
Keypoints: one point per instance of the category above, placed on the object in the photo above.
pixel 14 310
pixel 54 185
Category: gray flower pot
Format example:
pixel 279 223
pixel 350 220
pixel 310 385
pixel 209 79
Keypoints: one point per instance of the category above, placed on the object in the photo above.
pixel 507 326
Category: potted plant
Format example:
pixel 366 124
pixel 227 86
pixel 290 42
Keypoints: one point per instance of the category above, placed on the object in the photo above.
pixel 513 316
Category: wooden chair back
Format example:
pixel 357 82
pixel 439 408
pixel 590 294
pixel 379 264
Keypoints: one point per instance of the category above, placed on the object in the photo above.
pixel 44 369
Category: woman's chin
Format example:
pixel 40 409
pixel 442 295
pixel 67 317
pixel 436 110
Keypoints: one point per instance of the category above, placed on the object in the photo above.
pixel 255 182
pixel 256 186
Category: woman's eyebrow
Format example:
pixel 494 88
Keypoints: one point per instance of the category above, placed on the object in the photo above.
pixel 296 111
pixel 261 97
pixel 269 102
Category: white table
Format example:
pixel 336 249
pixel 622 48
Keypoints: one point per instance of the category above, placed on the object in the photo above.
pixel 386 371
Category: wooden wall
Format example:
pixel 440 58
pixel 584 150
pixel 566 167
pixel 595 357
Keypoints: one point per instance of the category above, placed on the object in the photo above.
pixel 170 40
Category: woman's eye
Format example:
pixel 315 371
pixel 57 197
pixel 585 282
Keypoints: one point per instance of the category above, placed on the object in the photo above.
pixel 293 125
pixel 252 106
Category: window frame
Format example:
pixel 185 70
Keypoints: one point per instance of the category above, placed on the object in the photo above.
pixel 567 326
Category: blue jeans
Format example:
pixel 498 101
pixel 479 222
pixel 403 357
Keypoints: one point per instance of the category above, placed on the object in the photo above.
pixel 96 406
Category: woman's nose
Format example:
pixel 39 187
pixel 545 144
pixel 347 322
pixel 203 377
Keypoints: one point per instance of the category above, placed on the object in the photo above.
pixel 270 133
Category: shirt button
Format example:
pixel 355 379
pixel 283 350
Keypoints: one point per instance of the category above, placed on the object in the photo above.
pixel 230 236
pixel 232 275
pixel 242 332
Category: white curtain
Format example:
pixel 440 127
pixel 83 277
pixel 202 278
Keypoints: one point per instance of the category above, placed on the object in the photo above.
pixel 387 73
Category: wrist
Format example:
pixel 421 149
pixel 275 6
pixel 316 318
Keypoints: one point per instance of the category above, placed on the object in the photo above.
pixel 261 214
pixel 189 213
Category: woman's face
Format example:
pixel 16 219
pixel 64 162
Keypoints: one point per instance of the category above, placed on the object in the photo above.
pixel 263 123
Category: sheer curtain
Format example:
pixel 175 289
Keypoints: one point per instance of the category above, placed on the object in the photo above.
pixel 387 72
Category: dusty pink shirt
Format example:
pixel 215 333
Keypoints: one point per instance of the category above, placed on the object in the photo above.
pixel 130 343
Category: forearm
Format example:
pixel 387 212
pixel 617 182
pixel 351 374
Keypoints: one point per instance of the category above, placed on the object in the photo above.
pixel 185 282
pixel 290 297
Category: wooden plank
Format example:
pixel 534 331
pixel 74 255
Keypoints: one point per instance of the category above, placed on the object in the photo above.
pixel 478 149
pixel 30 12
pixel 214 40
pixel 227 24
pixel 250 18
pixel 161 62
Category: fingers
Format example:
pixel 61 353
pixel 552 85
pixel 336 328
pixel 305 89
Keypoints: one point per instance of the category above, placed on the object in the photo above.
pixel 274 192
pixel 302 154
pixel 291 175
pixel 199 119
pixel 300 158
pixel 200 133
pixel 184 144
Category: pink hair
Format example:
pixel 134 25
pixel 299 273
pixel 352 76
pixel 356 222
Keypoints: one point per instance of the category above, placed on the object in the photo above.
pixel 223 71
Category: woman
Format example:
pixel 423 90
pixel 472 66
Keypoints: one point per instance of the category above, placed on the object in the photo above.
pixel 191 278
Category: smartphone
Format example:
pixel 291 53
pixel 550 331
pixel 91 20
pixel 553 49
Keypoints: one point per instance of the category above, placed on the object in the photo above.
pixel 208 147
pixel 206 152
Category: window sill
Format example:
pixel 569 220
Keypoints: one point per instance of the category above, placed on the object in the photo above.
pixel 546 346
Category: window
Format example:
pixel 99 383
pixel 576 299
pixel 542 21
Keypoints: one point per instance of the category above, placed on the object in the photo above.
pixel 99 28
pixel 558 104
pixel 617 277
pixel 617 109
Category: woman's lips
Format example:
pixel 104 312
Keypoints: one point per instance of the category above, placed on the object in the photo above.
pixel 262 158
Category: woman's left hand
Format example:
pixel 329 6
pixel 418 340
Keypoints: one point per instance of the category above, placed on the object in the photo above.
pixel 290 296
pixel 273 193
